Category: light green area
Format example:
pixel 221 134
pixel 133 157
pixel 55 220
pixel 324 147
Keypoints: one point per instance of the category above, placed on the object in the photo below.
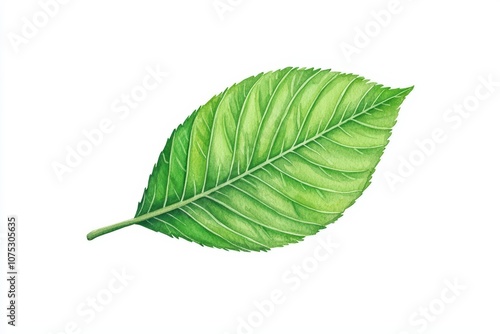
pixel 270 160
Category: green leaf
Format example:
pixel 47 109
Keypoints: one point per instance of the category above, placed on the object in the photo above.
pixel 272 159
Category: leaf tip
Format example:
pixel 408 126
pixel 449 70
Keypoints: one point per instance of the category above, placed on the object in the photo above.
pixel 407 90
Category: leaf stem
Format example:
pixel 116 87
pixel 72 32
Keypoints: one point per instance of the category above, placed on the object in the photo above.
pixel 107 229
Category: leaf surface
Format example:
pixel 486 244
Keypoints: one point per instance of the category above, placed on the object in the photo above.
pixel 272 159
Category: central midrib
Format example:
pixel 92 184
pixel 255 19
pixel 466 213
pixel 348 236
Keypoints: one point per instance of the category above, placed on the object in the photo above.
pixel 250 171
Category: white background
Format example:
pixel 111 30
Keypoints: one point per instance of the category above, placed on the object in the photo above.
pixel 398 246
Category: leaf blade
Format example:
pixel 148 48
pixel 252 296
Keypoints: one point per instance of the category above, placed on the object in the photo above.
pixel 270 160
